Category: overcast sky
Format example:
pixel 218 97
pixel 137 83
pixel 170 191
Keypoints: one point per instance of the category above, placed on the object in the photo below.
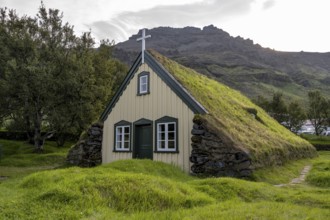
pixel 285 25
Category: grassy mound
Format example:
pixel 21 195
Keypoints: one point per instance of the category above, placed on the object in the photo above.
pixel 320 175
pixel 267 141
pixel 119 191
pixel 149 167
pixel 76 192
pixel 143 189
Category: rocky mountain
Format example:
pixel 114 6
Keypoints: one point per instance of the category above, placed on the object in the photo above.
pixel 237 62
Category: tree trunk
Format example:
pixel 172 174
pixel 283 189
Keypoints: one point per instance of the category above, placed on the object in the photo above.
pixel 38 140
pixel 28 127
pixel 60 140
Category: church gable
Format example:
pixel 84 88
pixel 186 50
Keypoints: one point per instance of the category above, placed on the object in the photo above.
pixel 143 77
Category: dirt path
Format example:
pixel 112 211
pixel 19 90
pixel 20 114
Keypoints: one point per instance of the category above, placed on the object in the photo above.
pixel 299 179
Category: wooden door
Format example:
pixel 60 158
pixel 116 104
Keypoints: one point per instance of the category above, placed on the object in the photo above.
pixel 143 142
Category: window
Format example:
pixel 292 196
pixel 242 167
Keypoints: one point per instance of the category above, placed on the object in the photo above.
pixel 143 83
pixel 122 136
pixel 166 135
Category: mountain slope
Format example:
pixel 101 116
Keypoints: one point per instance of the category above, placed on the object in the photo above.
pixel 237 62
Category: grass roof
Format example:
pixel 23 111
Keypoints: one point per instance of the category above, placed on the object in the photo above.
pixel 263 138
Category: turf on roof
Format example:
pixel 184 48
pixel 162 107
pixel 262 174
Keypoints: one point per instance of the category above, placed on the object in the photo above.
pixel 266 141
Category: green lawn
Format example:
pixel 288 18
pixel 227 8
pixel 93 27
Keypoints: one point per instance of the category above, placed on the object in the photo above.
pixel 313 139
pixel 143 189
pixel 17 158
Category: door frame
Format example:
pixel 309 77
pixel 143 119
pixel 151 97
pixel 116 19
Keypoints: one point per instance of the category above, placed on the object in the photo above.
pixel 137 123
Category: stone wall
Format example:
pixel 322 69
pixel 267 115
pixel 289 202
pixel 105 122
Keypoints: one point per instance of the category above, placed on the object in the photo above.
pixel 213 155
pixel 87 152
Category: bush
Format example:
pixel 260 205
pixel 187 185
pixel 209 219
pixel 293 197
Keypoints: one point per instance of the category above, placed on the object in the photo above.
pixel 22 136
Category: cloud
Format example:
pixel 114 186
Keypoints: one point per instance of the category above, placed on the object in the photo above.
pixel 268 4
pixel 196 14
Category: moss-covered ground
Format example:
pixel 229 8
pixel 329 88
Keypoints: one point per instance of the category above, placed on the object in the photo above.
pixel 144 189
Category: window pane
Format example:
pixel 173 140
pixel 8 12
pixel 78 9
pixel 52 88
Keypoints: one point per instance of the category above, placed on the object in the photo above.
pixel 126 138
pixel 126 129
pixel 118 131
pixel 171 127
pixel 144 79
pixel 161 144
pixel 162 136
pixel 118 145
pixel 171 136
pixel 171 144
pixel 126 145
pixel 118 137
pixel 143 88
pixel 161 127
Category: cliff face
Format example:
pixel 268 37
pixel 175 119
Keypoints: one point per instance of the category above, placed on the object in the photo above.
pixel 237 62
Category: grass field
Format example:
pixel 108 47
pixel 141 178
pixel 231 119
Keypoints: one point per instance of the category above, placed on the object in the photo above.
pixel 313 139
pixel 143 189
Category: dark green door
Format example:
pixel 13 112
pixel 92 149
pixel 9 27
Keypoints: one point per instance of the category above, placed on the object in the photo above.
pixel 143 142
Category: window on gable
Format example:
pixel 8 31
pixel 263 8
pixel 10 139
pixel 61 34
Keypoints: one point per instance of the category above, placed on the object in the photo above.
pixel 166 135
pixel 122 137
pixel 143 83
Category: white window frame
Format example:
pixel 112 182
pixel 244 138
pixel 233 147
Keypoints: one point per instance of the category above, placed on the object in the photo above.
pixel 141 84
pixel 120 142
pixel 166 140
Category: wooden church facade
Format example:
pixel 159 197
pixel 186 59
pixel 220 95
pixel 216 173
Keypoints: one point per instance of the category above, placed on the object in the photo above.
pixel 151 116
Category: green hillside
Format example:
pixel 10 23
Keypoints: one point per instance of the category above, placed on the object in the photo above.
pixel 266 141
pixel 145 189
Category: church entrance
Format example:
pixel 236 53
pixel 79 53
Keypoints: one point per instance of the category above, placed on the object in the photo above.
pixel 143 142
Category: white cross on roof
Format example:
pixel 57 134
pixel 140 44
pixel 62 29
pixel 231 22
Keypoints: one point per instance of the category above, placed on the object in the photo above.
pixel 143 38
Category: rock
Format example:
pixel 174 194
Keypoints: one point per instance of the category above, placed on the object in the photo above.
pixel 87 153
pixel 211 156
pixel 196 139
pixel 198 127
pixel 243 166
pixel 245 173
pixel 197 132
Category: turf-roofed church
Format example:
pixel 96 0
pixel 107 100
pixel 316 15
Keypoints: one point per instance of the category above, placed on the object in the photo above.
pixel 166 112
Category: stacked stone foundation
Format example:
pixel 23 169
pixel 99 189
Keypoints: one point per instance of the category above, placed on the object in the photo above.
pixel 87 152
pixel 211 156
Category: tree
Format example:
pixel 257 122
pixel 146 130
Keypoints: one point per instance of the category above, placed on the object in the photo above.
pixel 317 111
pixel 278 109
pixel 296 116
pixel 51 79
pixel 328 113
pixel 263 103
pixel 292 116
